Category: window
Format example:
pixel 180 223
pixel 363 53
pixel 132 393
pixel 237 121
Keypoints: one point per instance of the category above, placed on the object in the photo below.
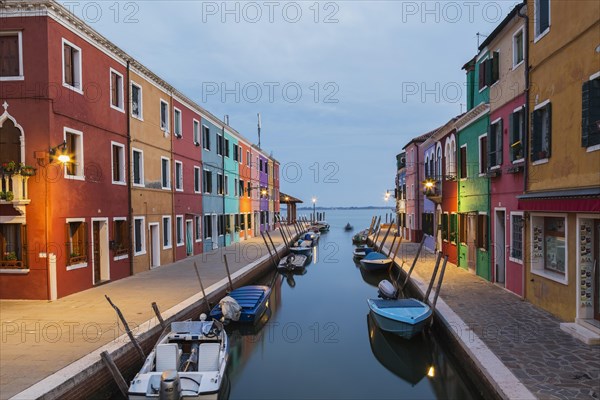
pixel 463 162
pixel 220 183
pixel 139 237
pixel 495 144
pixel 165 172
pixel 241 188
pixel 483 154
pixel 518 48
pixel 177 123
pixel 236 223
pixel 196 179
pixel 220 145
pixel 71 66
pixel 136 101
pixel 462 226
pixel 221 225
pixel 249 189
pixel 207 181
pixel 450 150
pixel 226 185
pixel 261 165
pixel 206 137
pixel 235 187
pixel 166 227
pixel 247 158
pixel 453 230
pixel 179 230
pixel 445 226
pixel 164 116
pixel 116 90
pixel 517 134
pixel 590 113
pixel 118 163
pixel 196 126
pixel 249 221
pixel 74 168
pixel 207 227
pixel 242 222
pixel 236 152
pixel 198 230
pixel 11 56
pixel 542 17
pixel 427 223
pixel 226 147
pixel 121 237
pixel 541 132
pixel 489 71
pixel 76 243
pixel 548 246
pixel 13 246
pixel 138 167
pixel 482 231
pixel 178 176
pixel 516 237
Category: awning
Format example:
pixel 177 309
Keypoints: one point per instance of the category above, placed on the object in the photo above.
pixel 576 200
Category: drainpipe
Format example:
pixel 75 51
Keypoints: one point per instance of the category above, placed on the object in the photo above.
pixel 129 175
pixel 173 177
pixel 526 130
pixel 418 191
pixel 223 188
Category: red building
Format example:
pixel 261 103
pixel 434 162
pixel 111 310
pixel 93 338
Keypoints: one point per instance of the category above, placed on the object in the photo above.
pixel 449 224
pixel 66 227
pixel 187 180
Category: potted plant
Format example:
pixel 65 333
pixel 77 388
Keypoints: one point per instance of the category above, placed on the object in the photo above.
pixel 27 170
pixel 9 195
pixel 11 256
pixel 9 167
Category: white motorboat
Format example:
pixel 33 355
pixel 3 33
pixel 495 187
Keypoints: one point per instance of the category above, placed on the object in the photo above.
pixel 188 362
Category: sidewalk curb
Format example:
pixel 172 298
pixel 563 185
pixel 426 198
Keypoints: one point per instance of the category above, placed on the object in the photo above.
pixel 75 375
pixel 502 380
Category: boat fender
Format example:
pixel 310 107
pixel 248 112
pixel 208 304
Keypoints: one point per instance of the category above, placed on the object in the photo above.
pixel 387 290
pixel 170 385
pixel 230 308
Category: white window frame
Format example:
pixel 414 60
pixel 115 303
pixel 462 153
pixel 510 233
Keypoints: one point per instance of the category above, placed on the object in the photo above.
pixel 167 222
pixel 498 165
pixel 248 158
pixel 80 176
pixel 480 63
pixel 166 129
pixel 225 185
pixel 530 133
pixel 535 267
pixel 198 228
pixel 78 89
pixel 179 179
pixel 198 176
pixel 516 64
pixel 177 111
pixel 222 149
pixel 142 183
pixel 484 173
pixel 204 144
pixel 143 232
pixel 84 264
pixel 168 187
pixel 21 75
pixel 179 230
pixel 539 36
pixel 197 131
pixel 121 106
pixel 466 164
pixel 523 138
pixel 124 256
pixel 203 180
pixel 140 102
pixel 235 187
pixel 510 245
pixel 121 163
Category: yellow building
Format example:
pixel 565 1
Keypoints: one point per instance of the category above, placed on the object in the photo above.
pixel 562 189
pixel 151 180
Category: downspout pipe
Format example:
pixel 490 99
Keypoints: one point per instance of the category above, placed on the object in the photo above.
pixel 129 174
pixel 526 130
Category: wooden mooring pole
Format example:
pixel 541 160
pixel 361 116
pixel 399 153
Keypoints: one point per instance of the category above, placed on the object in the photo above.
pixel 116 374
pixel 227 269
pixel 413 264
pixel 127 329
pixel 158 315
pixel 201 287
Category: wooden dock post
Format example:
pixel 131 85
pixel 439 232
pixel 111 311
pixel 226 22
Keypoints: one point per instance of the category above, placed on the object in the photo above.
pixel 268 249
pixel 127 329
pixel 202 287
pixel 432 280
pixel 274 248
pixel 413 264
pixel 227 269
pixel 160 318
pixel 116 374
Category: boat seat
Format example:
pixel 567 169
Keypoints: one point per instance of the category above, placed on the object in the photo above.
pixel 167 357
pixel 208 357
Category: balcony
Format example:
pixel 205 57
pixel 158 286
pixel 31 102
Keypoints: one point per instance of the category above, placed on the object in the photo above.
pixel 14 191
pixel 433 190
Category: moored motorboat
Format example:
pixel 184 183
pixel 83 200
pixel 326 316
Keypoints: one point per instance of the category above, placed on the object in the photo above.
pixel 375 261
pixel 361 251
pixel 348 227
pixel 360 238
pixel 188 362
pixel 292 262
pixel 403 317
pixel 302 247
pixel 252 300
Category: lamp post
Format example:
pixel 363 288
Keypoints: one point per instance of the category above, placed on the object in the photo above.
pixel 314 201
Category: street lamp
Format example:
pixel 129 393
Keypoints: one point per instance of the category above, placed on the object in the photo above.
pixel 314 201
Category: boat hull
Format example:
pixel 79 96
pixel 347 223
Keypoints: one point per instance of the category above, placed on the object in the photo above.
pixel 375 265
pixel 399 322
pixel 305 251
pixel 253 300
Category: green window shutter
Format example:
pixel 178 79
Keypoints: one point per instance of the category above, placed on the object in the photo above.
pixel 549 129
pixel 496 67
pixel 488 71
pixel 536 134
pixel 499 137
pixel 490 146
pixel 585 113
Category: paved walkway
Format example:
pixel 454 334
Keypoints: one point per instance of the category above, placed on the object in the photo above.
pixel 39 338
pixel 528 340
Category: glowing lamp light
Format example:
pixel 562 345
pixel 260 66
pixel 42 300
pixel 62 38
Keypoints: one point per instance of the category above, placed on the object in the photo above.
pixel 314 199
pixel 263 192
pixel 428 184
pixel 63 158
pixel 431 372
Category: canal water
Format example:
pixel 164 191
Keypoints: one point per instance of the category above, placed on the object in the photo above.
pixel 320 343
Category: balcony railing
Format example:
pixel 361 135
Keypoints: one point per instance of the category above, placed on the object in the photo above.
pixel 14 191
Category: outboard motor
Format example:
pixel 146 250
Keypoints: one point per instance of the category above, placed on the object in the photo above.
pixel 387 290
pixel 170 386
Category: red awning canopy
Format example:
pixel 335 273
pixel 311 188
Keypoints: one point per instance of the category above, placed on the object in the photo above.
pixel 588 204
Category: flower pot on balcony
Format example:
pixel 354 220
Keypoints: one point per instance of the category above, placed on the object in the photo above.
pixel 9 196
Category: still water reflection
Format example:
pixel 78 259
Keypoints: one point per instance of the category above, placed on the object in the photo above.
pixel 318 341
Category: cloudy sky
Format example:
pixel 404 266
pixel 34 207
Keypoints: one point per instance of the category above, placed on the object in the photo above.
pixel 341 86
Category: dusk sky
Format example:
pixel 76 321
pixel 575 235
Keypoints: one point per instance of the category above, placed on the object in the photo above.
pixel 341 86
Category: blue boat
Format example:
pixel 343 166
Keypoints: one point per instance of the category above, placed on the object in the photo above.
pixel 375 261
pixel 361 251
pixel 303 247
pixel 403 317
pixel 252 299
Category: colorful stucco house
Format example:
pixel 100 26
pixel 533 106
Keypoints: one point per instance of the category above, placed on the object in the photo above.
pixel 473 183
pixel 505 143
pixel 561 203
pixel 414 195
pixel 400 194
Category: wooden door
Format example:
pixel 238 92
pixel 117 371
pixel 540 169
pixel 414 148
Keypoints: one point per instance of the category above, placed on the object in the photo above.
pixel 472 242
pixel 96 245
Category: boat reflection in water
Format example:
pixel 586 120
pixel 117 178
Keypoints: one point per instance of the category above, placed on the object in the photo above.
pixel 373 277
pixel 410 360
